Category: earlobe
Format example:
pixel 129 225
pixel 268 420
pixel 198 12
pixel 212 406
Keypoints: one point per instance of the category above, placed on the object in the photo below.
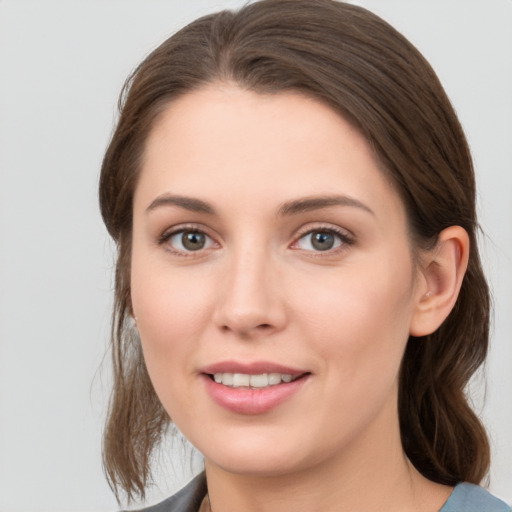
pixel 443 272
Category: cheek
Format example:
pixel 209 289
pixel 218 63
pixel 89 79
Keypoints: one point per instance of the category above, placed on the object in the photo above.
pixel 171 312
pixel 166 301
pixel 360 319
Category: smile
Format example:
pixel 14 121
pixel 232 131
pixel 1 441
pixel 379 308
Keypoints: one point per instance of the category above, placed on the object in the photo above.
pixel 244 380
pixel 253 393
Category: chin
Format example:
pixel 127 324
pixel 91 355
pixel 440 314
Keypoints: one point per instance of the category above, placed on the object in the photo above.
pixel 259 456
pixel 262 467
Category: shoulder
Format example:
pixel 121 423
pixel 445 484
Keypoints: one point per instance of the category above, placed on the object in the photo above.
pixel 187 499
pixel 473 498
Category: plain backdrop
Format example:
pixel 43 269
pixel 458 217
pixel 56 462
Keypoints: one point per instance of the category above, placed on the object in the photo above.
pixel 62 64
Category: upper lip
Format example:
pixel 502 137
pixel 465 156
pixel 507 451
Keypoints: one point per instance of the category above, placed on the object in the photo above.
pixel 251 368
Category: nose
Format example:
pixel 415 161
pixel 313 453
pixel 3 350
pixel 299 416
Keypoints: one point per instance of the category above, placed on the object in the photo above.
pixel 250 299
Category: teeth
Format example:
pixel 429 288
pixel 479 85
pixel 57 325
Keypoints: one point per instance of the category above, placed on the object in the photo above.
pixel 240 379
pixel 243 380
pixel 227 379
pixel 259 381
pixel 274 378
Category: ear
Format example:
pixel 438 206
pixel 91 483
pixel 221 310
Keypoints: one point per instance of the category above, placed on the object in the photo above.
pixel 441 277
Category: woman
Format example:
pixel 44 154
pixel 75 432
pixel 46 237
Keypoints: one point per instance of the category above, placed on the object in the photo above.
pixel 298 284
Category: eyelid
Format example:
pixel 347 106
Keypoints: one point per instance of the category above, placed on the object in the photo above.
pixel 180 228
pixel 347 238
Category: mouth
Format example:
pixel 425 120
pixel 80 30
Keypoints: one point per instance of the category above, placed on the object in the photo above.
pixel 252 388
pixel 253 381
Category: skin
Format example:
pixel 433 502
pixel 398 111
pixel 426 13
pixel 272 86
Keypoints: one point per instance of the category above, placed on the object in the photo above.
pixel 259 290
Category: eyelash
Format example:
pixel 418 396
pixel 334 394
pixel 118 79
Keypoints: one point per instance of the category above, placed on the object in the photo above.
pixel 167 235
pixel 344 238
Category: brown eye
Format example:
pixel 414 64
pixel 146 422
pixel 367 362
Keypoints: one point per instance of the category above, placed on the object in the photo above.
pixel 192 240
pixel 189 241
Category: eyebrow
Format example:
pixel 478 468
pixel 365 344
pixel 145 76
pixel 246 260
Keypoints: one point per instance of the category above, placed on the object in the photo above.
pixel 188 203
pixel 288 208
pixel 307 204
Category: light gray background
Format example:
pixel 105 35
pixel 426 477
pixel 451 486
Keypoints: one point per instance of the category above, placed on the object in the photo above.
pixel 62 64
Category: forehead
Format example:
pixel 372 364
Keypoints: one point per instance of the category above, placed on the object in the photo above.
pixel 219 109
pixel 222 139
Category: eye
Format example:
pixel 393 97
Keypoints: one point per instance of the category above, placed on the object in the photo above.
pixel 188 240
pixel 321 240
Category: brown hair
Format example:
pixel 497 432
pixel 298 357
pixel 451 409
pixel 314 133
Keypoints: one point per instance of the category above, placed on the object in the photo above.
pixel 363 68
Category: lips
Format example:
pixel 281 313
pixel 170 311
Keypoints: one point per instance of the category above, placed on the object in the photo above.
pixel 252 388
pixel 253 368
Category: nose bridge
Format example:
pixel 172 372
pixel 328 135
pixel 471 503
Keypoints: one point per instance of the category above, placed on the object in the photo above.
pixel 250 299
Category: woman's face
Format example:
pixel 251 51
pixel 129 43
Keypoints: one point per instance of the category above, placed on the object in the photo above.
pixel 268 246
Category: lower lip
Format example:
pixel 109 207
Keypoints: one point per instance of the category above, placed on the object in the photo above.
pixel 252 400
